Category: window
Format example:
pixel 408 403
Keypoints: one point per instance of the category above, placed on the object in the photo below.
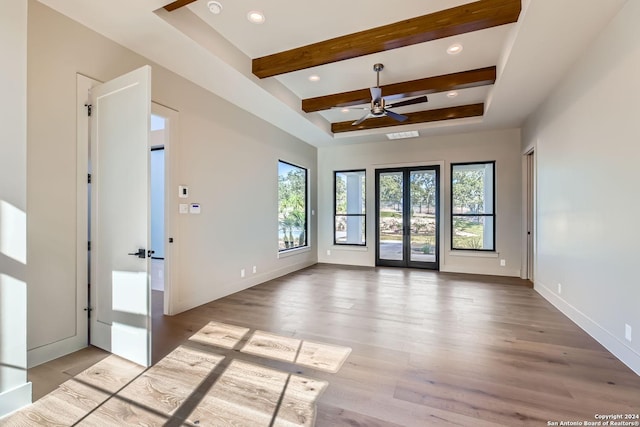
pixel 473 206
pixel 292 206
pixel 349 208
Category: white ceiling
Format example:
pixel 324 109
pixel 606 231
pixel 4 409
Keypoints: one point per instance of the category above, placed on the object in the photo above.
pixel 215 52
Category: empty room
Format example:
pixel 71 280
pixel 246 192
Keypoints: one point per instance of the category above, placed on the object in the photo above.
pixel 283 213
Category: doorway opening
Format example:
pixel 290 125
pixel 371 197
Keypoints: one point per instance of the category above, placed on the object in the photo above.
pixel 157 184
pixel 407 217
pixel 530 213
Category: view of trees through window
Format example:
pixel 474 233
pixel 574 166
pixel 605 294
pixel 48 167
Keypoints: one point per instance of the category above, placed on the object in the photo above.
pixel 349 215
pixel 292 206
pixel 472 206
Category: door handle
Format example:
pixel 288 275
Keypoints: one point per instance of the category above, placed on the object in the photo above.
pixel 140 254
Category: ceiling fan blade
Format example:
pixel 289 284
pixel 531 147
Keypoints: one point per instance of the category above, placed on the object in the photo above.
pixel 361 119
pixel 376 93
pixel 417 100
pixel 395 116
pixel 393 97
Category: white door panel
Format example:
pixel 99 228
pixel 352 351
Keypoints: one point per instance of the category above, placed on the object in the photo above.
pixel 120 292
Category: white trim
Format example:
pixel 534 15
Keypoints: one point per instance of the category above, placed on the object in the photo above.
pixel 215 293
pixel 171 264
pixel 478 254
pixel 39 355
pixel 626 354
pixel 14 399
pixel 353 248
pixel 490 271
pixel 291 252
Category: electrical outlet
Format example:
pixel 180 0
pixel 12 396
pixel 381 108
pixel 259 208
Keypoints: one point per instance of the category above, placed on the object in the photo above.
pixel 328 252
pixel 559 288
pixel 242 272
pixel 627 332
pixel 254 269
pixel 503 262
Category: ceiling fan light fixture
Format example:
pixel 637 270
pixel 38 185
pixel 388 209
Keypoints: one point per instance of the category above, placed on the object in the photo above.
pixel 255 17
pixel 214 7
pixel 454 49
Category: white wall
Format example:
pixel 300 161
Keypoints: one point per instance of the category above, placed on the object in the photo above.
pixel 586 138
pixel 15 392
pixel 501 146
pixel 227 157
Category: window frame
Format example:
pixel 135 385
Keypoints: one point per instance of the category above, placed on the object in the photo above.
pixel 306 207
pixel 335 208
pixel 491 215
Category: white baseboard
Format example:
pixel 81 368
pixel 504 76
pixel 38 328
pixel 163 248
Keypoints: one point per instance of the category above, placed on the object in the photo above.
pixel 14 399
pixel 474 270
pixel 612 343
pixel 46 353
pixel 231 288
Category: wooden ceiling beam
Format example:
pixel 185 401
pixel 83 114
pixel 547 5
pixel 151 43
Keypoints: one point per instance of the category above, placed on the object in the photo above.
pixel 177 5
pixel 454 81
pixel 466 18
pixel 450 113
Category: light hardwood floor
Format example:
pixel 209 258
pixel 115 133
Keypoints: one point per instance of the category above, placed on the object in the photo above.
pixel 428 348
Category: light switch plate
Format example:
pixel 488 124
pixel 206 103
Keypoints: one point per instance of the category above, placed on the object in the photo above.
pixel 183 191
pixel 184 208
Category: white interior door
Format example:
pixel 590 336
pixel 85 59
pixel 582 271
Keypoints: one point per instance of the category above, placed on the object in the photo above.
pixel 120 291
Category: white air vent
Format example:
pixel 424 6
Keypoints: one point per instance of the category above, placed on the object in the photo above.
pixel 403 135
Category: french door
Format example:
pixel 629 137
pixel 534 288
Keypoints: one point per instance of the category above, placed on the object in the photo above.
pixel 407 217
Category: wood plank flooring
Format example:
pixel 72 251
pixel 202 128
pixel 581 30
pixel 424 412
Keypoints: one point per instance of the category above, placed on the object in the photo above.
pixel 427 348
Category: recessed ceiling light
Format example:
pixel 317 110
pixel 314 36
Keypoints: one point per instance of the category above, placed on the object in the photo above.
pixel 214 7
pixel 255 17
pixel 345 110
pixel 452 94
pixel 403 135
pixel 454 49
pixel 314 78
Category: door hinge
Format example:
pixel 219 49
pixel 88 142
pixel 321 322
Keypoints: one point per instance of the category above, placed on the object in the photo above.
pixel 89 108
pixel 89 178
pixel 88 310
pixel 88 246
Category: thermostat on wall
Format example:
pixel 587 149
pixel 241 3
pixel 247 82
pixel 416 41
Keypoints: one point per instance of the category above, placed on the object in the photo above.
pixel 194 208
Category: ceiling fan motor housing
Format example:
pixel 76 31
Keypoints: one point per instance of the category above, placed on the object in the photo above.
pixel 377 107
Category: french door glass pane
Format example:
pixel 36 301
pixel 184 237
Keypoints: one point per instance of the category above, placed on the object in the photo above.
pixel 423 215
pixel 391 222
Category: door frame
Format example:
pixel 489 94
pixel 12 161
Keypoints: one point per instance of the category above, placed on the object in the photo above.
pixel 171 117
pixel 529 189
pixel 406 236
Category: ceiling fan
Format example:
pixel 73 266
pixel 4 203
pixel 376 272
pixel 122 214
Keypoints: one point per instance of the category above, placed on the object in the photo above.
pixel 379 107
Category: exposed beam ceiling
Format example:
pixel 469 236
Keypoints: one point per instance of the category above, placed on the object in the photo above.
pixel 454 81
pixel 463 19
pixel 464 111
pixel 177 5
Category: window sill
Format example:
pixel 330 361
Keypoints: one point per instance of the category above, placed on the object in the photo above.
pixel 477 254
pixel 356 248
pixel 291 252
